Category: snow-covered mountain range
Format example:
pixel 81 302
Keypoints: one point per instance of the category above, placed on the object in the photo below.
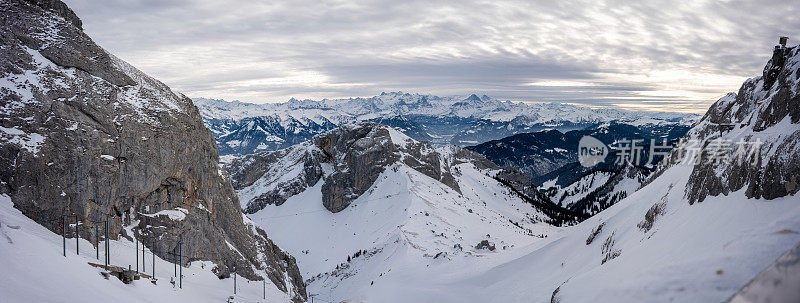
pixel 551 159
pixel 245 128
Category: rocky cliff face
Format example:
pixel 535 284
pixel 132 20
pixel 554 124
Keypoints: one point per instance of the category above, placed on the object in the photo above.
pixel 752 134
pixel 359 154
pixel 84 133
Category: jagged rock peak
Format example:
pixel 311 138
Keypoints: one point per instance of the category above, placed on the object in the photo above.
pixel 359 153
pixel 473 98
pixel 780 55
pixel 758 132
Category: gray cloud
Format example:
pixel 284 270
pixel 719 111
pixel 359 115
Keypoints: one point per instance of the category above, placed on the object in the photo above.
pixel 656 55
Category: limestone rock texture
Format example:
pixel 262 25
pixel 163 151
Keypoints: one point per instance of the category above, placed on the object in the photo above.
pixel 84 133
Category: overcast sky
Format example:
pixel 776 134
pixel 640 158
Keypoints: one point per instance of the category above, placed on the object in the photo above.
pixel 658 55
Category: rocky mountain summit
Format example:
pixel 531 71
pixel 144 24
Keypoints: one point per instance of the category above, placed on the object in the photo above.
pixel 348 161
pixel 370 202
pixel 86 134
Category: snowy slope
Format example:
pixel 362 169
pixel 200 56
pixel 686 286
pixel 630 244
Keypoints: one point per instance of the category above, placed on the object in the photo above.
pixel 693 253
pixel 34 270
pixel 349 159
pixel 410 226
pixel 695 232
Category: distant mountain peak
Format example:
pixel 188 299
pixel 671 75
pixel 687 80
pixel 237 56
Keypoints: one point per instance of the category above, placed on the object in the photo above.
pixel 473 98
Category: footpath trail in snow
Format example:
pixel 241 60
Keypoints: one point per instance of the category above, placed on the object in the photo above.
pixel 34 270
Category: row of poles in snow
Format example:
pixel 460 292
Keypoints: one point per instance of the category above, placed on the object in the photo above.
pixel 264 283
pixel 107 252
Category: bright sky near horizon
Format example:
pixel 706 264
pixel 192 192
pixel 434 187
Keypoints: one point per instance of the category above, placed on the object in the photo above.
pixel 648 55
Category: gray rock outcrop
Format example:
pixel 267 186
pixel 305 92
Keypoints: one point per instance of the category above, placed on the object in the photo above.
pixel 360 153
pixel 485 244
